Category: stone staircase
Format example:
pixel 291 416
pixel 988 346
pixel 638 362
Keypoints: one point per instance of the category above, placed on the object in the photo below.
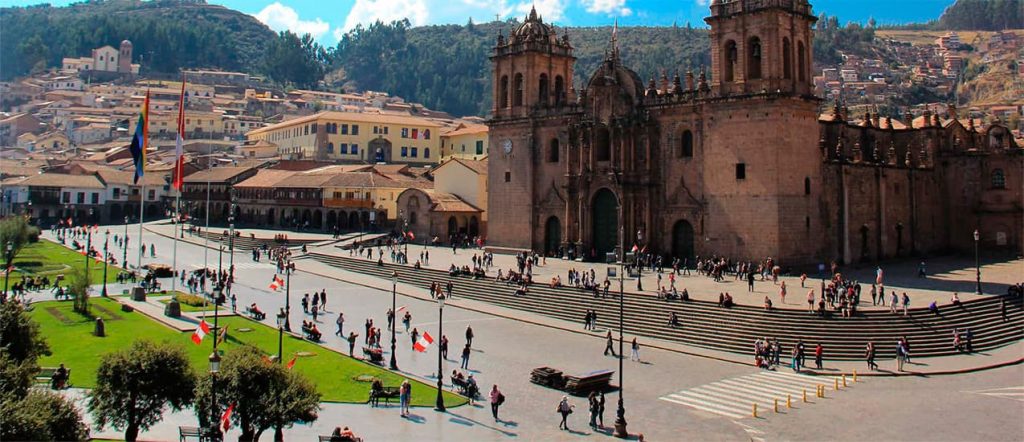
pixel 244 242
pixel 704 324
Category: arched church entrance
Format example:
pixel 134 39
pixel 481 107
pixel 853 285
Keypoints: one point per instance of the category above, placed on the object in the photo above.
pixel 605 220
pixel 552 235
pixel 682 240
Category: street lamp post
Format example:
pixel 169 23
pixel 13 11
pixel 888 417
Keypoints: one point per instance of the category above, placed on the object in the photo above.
pixel 620 419
pixel 10 260
pixel 394 318
pixel 287 295
pixel 214 431
pixel 281 318
pixel 639 266
pixel 124 244
pixel 106 259
pixel 977 262
pixel 405 236
pixel 439 406
pixel 88 246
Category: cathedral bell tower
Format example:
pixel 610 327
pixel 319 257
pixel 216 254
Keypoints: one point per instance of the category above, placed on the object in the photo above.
pixel 761 46
pixel 533 68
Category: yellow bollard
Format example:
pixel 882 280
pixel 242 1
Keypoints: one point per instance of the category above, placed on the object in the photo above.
pixel 855 376
pixel 836 384
pixel 789 401
pixel 755 409
pixel 844 380
pixel 805 395
pixel 776 405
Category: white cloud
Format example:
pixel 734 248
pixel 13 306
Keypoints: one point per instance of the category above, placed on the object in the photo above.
pixel 280 18
pixel 366 12
pixel 550 10
pixel 610 7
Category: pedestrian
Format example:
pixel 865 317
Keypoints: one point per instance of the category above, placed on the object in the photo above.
pixel 234 303
pixel 415 335
pixel 465 357
pixel 391 318
pixel 796 360
pixel 750 281
pixel 323 299
pixel 869 353
pixel 600 410
pixel 351 343
pixel 635 355
pixel 407 320
pixel 608 348
pixel 818 352
pixel 906 303
pixel 469 336
pixel 443 346
pixel 874 295
pixel 497 398
pixel 810 301
pixel 592 407
pixel 305 303
pixel 899 356
pixel 564 409
pixel 404 394
pixel 341 324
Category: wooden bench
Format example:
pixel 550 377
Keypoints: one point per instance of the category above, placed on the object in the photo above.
pixel 386 393
pixel 259 316
pixel 45 376
pixel 376 355
pixel 465 388
pixel 339 439
pixel 187 432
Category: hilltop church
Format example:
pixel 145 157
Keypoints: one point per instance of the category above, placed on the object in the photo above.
pixel 739 162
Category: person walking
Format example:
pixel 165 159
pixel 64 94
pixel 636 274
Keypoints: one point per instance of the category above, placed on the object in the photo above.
pixel 443 346
pixel 405 392
pixel 608 348
pixel 869 354
pixel 600 410
pixel 564 409
pixel 352 343
pixel 750 281
pixel 496 400
pixel 341 324
pixel 635 355
pixel 899 355
pixel 465 357
pixel 469 336
pixel 592 407
pixel 796 360
pixel 415 336
pixel 810 301
pixel 906 303
pixel 818 352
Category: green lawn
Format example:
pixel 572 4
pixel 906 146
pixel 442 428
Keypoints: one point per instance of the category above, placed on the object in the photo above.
pixel 46 258
pixel 185 307
pixel 70 337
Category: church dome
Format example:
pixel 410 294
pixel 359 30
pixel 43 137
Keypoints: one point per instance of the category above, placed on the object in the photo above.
pixel 533 27
pixel 126 43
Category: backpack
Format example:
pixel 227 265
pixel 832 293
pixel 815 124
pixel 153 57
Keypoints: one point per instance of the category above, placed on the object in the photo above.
pixel 501 399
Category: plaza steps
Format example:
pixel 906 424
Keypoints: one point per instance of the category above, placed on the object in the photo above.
pixel 704 324
pixel 244 242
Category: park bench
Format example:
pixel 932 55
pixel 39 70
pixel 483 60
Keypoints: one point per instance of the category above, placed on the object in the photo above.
pixel 187 432
pixel 375 354
pixel 386 393
pixel 465 388
pixel 257 315
pixel 340 439
pixel 45 376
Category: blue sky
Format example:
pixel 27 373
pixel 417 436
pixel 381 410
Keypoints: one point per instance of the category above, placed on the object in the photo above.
pixel 328 19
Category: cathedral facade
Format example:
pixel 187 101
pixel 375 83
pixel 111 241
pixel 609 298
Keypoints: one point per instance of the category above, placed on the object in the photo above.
pixel 741 164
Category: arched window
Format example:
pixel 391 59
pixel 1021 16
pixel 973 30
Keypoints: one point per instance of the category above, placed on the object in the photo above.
pixel 503 90
pixel 542 89
pixel 426 152
pixel 801 55
pixel 412 217
pixel 754 58
pixel 998 179
pixel 553 151
pixel 518 100
pixel 729 56
pixel 559 90
pixel 807 186
pixel 685 145
pixel 787 59
pixel 602 144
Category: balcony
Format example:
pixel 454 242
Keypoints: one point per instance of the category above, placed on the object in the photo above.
pixel 349 203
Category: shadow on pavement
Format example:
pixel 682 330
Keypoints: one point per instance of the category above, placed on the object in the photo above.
pixel 469 422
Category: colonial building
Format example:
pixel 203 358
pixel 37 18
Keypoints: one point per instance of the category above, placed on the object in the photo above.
pixel 737 164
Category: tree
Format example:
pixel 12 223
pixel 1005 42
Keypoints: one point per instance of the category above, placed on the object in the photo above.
pixel 134 386
pixel 79 289
pixel 19 334
pixel 265 394
pixel 16 231
pixel 41 415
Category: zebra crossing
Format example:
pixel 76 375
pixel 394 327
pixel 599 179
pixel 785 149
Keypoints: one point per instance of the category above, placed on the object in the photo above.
pixel 734 397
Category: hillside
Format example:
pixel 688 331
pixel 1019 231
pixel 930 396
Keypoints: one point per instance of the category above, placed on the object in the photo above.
pixel 167 35
pixel 983 15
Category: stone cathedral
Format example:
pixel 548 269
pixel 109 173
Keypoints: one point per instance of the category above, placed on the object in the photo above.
pixel 739 161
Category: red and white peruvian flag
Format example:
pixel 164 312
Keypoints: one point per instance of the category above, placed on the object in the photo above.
pixel 635 248
pixel 201 332
pixel 410 235
pixel 225 419
pixel 276 283
pixel 423 342
pixel 291 363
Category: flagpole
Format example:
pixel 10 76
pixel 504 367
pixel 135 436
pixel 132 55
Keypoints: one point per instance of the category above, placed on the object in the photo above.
pixel 174 254
pixel 178 184
pixel 142 219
